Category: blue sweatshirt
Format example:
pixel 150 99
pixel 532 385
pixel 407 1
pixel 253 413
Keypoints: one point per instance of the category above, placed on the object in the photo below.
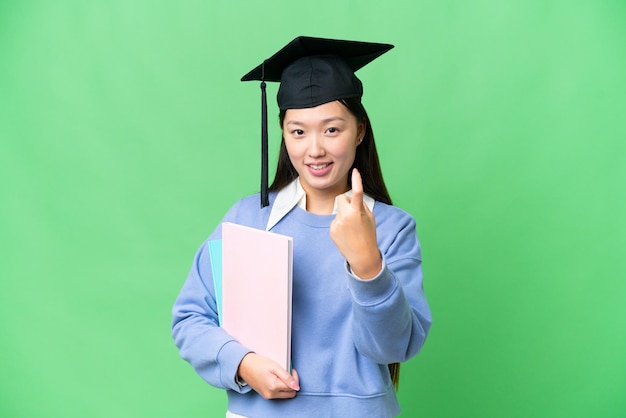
pixel 345 331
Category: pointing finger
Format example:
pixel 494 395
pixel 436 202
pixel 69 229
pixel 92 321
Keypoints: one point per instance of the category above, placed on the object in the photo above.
pixel 357 190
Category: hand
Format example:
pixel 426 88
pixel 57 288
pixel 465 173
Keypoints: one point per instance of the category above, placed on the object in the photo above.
pixel 267 378
pixel 354 232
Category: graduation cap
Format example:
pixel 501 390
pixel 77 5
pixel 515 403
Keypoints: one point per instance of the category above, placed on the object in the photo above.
pixel 311 72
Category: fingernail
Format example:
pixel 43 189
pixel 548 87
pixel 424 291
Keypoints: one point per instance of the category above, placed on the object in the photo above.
pixel 294 385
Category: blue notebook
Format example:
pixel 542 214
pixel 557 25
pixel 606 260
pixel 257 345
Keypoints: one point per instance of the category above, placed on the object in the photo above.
pixel 215 251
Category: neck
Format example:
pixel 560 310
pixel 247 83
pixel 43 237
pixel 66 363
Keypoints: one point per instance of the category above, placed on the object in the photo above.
pixel 322 202
pixel 320 205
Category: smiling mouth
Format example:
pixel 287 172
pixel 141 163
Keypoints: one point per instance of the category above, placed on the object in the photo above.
pixel 319 166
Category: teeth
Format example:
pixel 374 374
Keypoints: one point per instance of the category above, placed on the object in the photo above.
pixel 318 166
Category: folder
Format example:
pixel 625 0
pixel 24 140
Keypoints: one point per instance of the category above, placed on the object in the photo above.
pixel 256 281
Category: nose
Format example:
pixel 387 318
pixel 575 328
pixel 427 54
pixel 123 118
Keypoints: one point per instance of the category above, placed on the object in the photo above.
pixel 316 146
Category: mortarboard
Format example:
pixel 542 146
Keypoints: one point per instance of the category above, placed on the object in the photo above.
pixel 311 72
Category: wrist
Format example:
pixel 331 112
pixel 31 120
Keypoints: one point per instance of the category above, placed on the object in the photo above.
pixel 367 272
pixel 241 371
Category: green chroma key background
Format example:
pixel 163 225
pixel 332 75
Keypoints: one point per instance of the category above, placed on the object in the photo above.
pixel 125 134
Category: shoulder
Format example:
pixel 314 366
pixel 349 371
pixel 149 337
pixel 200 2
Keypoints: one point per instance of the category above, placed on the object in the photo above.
pixel 396 232
pixel 252 201
pixel 389 214
pixel 248 211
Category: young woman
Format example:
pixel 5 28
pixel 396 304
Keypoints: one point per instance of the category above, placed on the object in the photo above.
pixel 358 303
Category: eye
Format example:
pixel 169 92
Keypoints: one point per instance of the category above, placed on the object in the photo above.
pixel 297 132
pixel 332 130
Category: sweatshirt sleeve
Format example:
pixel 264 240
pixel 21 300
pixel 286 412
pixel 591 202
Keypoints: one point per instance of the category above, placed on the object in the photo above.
pixel 391 314
pixel 213 353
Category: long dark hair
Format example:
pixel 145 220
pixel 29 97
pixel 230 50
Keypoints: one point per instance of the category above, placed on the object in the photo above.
pixel 365 160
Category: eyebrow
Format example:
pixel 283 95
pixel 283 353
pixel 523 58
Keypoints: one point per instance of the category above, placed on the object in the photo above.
pixel 324 121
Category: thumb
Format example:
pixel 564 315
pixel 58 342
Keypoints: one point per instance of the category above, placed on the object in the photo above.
pixel 287 379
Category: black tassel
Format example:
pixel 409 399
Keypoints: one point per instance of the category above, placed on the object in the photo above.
pixel 264 188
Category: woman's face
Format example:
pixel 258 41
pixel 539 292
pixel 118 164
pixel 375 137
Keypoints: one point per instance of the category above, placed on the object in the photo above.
pixel 321 142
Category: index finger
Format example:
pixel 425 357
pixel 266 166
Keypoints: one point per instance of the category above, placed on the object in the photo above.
pixel 357 190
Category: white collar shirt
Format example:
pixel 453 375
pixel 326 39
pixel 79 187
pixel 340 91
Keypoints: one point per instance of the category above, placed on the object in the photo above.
pixel 293 194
